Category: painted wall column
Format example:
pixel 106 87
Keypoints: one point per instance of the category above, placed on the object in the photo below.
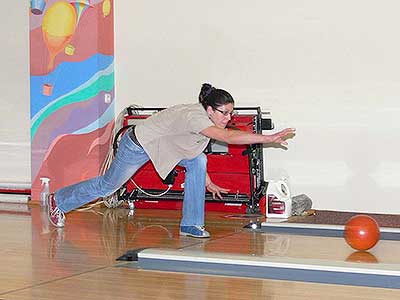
pixel 72 89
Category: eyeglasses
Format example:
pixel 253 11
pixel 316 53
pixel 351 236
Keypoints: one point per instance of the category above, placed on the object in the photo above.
pixel 225 113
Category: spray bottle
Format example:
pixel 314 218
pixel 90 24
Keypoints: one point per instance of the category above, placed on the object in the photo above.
pixel 45 190
pixel 279 201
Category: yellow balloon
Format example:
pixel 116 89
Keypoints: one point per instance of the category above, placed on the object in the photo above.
pixel 58 26
pixel 106 7
pixel 59 19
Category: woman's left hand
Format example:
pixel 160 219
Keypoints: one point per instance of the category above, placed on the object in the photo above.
pixel 281 136
pixel 216 190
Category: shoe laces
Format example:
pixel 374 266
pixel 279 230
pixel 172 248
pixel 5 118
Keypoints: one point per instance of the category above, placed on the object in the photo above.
pixel 57 213
pixel 202 228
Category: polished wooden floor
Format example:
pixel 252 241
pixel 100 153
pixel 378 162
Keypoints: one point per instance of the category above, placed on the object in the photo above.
pixel 79 261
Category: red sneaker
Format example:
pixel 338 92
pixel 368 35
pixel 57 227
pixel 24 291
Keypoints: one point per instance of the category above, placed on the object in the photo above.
pixel 55 215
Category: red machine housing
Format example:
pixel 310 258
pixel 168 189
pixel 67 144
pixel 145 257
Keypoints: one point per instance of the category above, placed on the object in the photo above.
pixel 238 168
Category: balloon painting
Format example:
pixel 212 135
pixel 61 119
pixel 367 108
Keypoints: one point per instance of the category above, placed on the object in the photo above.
pixel 59 23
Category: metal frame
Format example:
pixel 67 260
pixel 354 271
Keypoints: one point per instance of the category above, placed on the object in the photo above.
pixel 255 158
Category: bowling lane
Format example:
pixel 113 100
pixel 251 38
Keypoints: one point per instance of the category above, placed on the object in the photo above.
pixel 299 247
pixel 285 257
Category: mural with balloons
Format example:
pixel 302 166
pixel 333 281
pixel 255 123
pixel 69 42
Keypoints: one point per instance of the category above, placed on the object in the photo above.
pixel 71 89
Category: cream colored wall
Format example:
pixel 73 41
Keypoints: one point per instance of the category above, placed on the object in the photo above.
pixel 14 96
pixel 329 68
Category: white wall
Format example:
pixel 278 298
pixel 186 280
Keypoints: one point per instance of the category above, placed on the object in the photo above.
pixel 328 68
pixel 14 96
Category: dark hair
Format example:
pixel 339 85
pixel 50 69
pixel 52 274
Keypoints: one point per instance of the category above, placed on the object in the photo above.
pixel 210 96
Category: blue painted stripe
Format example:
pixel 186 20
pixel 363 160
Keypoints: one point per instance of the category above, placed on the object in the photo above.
pixel 67 77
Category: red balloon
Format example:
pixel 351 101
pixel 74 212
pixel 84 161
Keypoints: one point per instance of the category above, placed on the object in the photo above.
pixel 361 232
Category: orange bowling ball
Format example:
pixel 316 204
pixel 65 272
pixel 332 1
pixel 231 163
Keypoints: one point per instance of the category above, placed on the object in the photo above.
pixel 361 232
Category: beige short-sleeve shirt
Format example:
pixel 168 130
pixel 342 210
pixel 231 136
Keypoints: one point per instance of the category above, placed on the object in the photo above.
pixel 174 134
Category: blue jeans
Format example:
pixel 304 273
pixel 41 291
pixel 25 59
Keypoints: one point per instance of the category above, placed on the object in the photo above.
pixel 130 157
pixel 194 191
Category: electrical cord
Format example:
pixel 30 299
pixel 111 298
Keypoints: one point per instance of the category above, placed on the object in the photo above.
pixel 90 206
pixel 149 194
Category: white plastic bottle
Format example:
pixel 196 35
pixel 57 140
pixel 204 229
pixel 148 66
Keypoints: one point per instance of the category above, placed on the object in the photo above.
pixel 279 201
pixel 45 190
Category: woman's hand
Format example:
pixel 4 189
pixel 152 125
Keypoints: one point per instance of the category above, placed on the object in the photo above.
pixel 216 190
pixel 281 136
